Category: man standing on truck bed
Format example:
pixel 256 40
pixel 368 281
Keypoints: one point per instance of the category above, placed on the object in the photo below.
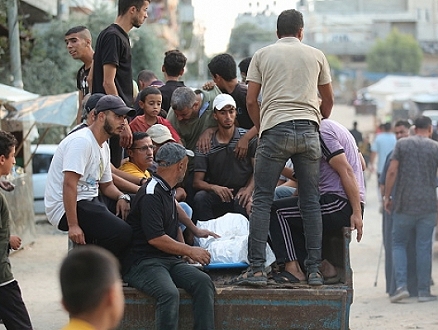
pixel 290 74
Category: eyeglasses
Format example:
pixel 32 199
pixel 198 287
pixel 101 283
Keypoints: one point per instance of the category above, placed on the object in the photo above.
pixel 144 148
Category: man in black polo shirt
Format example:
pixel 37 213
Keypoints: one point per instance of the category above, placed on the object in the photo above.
pixel 225 182
pixel 154 263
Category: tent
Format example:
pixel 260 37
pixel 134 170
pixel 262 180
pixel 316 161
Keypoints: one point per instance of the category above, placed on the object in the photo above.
pixel 401 88
pixel 12 94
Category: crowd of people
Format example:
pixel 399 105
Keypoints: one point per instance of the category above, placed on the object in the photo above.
pixel 139 171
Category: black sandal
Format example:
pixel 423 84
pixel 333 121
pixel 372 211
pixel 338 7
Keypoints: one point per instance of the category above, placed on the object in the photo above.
pixel 285 277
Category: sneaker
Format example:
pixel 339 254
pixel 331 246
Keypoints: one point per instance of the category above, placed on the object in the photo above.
pixel 248 278
pixel 400 294
pixel 426 298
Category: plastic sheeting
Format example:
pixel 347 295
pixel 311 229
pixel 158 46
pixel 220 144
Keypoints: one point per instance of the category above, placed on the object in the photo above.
pixel 232 246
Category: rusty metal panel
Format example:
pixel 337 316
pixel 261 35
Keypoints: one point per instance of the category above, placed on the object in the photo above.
pixel 247 308
pixel 274 307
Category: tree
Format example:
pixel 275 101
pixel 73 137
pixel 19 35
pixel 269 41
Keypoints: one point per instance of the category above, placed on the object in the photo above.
pixel 244 35
pixel 397 53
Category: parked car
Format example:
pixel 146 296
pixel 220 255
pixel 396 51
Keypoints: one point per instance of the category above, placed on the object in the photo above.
pixel 42 156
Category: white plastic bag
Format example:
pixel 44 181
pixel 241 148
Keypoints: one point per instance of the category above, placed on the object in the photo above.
pixel 232 246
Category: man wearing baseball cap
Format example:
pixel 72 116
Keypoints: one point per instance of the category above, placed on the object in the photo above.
pixel 224 182
pixel 80 168
pixel 154 263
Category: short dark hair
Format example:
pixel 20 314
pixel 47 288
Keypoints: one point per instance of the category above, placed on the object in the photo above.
pixel 387 126
pixel 174 62
pixel 7 142
pixel 76 29
pixel 86 274
pixel 423 122
pixel 124 5
pixel 402 122
pixel 146 75
pixel 137 136
pixel 148 91
pixel 224 66
pixel 244 64
pixel 289 23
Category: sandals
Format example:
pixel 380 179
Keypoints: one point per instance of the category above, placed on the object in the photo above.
pixel 315 278
pixel 285 277
pixel 249 278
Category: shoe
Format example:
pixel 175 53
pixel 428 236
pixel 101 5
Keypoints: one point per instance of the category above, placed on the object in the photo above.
pixel 400 294
pixel 315 278
pixel 285 277
pixel 426 298
pixel 248 278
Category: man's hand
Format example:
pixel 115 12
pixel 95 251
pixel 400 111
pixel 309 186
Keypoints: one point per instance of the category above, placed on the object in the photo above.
pixel 226 194
pixel 6 185
pixel 76 234
pixel 122 208
pixel 241 148
pixel 126 136
pixel 244 196
pixel 208 86
pixel 387 204
pixel 357 223
pixel 204 141
pixel 204 233
pixel 14 242
pixel 200 255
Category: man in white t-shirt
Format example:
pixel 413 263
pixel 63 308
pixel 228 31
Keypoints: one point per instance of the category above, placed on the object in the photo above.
pixel 79 169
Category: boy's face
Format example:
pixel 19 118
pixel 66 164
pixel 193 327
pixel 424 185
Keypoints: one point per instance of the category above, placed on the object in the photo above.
pixel 151 105
pixel 7 163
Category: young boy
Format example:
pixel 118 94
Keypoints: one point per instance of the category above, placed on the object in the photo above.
pixel 150 101
pixel 13 312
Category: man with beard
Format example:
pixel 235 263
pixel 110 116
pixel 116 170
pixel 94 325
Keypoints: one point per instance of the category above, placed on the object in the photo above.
pixel 112 71
pixel 80 168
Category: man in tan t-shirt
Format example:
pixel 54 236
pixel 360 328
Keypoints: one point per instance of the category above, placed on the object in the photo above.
pixel 291 74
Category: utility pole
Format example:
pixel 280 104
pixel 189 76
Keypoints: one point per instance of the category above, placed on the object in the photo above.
pixel 14 44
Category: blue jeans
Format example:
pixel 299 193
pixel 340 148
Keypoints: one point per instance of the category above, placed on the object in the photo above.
pixel 160 278
pixel 298 140
pixel 403 225
pixel 283 192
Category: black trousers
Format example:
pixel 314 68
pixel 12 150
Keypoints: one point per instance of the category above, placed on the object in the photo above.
pixel 101 227
pixel 13 312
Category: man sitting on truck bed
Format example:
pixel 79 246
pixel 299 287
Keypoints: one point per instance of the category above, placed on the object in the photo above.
pixel 342 200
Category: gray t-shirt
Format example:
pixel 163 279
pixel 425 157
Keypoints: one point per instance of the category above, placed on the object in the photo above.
pixel 416 178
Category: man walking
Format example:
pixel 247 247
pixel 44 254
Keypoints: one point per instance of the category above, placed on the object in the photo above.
pixel 291 74
pixel 412 170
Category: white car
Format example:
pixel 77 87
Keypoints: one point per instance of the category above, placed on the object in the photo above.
pixel 40 166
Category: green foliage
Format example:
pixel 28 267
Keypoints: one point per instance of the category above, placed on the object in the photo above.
pixel 397 53
pixel 49 69
pixel 243 35
pixel 334 62
pixel 147 50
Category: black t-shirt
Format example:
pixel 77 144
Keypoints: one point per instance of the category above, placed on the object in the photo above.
pixel 166 92
pixel 153 214
pixel 112 47
pixel 81 80
pixel 222 167
pixel 239 95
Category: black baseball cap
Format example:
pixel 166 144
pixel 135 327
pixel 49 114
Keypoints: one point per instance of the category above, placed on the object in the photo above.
pixel 115 104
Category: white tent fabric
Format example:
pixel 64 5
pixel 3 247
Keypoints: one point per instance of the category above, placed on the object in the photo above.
pixel 46 111
pixel 12 94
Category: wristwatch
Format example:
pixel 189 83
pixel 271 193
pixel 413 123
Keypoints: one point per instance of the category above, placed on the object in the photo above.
pixel 125 197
